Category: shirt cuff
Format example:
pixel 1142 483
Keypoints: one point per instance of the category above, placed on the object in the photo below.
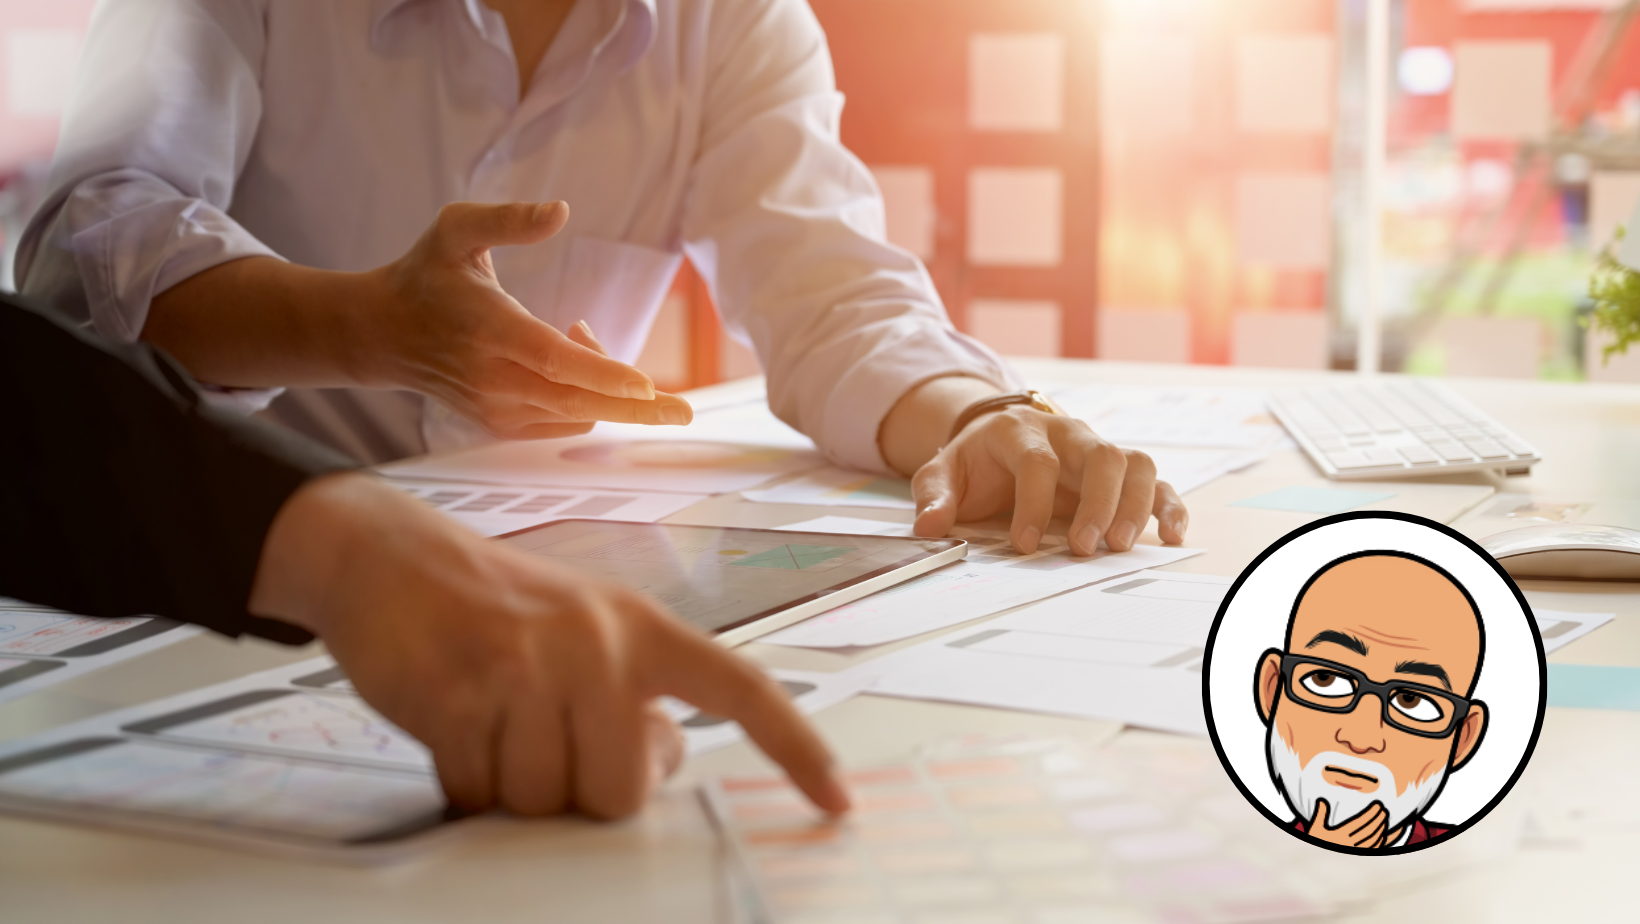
pixel 910 355
pixel 130 245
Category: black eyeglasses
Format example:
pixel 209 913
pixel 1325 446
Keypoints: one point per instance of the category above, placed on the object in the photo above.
pixel 1331 687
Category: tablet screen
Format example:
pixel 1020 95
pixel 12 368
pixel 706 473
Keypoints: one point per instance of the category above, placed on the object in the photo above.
pixel 722 577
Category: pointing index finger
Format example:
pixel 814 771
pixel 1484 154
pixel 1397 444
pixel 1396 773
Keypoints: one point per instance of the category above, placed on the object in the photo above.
pixel 539 347
pixel 697 671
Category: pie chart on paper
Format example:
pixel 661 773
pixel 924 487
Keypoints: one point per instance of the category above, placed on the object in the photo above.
pixel 694 454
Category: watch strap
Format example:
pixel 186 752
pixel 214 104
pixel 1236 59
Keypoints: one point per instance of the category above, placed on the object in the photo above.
pixel 1032 397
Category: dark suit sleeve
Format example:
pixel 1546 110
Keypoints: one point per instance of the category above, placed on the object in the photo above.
pixel 122 494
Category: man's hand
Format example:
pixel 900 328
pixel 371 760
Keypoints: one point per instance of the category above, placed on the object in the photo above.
pixel 1041 465
pixel 1367 829
pixel 448 329
pixel 435 321
pixel 533 687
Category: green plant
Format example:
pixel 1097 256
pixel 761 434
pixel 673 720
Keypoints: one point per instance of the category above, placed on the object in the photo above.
pixel 1616 292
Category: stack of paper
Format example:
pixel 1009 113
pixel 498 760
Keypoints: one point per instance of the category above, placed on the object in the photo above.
pixel 287 760
pixel 1127 650
pixel 1021 832
pixel 40 646
pixel 493 510
pixel 1194 417
pixel 992 579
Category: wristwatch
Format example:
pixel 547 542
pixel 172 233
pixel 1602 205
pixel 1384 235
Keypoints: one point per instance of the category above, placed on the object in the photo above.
pixel 1034 398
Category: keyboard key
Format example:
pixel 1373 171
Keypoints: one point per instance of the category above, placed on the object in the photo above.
pixel 1419 455
pixel 1452 452
pixel 1487 449
pixel 1518 447
pixel 1384 457
pixel 1348 459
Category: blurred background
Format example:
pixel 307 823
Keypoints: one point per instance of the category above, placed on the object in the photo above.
pixel 1175 180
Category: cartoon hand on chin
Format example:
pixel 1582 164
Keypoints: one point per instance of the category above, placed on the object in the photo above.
pixel 1367 829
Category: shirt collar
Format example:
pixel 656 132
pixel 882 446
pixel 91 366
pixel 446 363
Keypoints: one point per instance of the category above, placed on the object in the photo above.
pixel 638 23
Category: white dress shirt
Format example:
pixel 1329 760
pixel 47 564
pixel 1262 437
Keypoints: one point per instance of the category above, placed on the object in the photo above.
pixel 329 132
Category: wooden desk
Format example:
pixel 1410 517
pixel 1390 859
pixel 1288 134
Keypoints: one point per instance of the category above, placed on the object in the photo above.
pixel 663 865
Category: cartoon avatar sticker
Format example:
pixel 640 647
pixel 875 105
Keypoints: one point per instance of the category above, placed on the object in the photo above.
pixel 1382 650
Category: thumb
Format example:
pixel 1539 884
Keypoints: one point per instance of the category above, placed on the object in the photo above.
pixel 935 490
pixel 465 227
pixel 1320 820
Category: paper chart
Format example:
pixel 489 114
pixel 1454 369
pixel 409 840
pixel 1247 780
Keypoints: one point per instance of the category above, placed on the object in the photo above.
pixel 40 646
pixel 494 510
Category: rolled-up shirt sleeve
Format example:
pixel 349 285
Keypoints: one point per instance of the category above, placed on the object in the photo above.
pixel 787 227
pixel 162 116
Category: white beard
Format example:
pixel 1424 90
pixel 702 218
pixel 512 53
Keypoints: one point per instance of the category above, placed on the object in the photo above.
pixel 1304 786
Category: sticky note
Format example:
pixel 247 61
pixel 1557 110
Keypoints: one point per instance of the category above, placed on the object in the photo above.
pixel 1587 686
pixel 1014 216
pixel 1284 83
pixel 1503 90
pixel 1313 499
pixel 1507 348
pixel 1016 81
pixel 1280 340
pixel 1613 195
pixel 1150 335
pixel 1016 327
pixel 1283 220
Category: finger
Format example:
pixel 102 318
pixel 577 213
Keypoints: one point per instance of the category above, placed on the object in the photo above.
pixel 1035 466
pixel 1319 822
pixel 465 750
pixel 612 751
pixel 666 744
pixel 581 332
pixel 1371 815
pixel 1103 469
pixel 548 431
pixel 536 755
pixel 694 669
pixel 540 348
pixel 570 404
pixel 1133 506
pixel 1371 835
pixel 465 227
pixel 1171 517
pixel 935 491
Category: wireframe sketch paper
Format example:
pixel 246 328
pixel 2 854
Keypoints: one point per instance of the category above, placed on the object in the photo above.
pixel 493 510
pixel 992 579
pixel 1017 831
pixel 1126 650
pixel 289 760
pixel 725 449
pixel 837 487
pixel 1184 468
pixel 40 646
pixel 1180 416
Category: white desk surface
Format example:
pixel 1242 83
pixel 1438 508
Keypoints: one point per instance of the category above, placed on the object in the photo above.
pixel 664 866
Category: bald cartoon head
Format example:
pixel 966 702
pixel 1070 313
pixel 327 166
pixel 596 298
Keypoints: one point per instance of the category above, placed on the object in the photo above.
pixel 1368 705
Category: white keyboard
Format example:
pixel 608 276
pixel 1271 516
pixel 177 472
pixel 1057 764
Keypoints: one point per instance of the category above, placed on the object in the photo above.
pixel 1397 428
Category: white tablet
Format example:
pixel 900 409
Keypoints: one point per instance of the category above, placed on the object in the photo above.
pixel 737 583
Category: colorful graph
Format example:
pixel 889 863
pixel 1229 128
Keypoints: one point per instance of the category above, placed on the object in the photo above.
pixel 313 724
pixel 793 557
pixel 674 454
